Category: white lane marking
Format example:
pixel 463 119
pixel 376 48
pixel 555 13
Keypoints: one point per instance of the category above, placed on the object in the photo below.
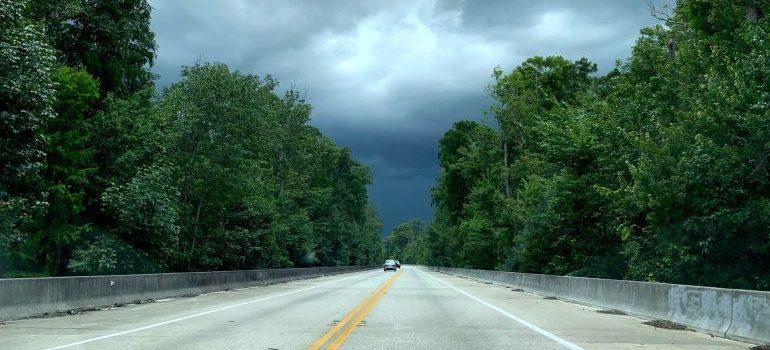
pixel 201 314
pixel 511 316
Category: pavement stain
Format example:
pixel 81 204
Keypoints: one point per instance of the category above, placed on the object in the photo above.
pixel 69 312
pixel 144 301
pixel 81 310
pixel 612 312
pixel 666 324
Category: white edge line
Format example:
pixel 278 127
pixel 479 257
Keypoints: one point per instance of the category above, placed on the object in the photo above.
pixel 511 316
pixel 154 325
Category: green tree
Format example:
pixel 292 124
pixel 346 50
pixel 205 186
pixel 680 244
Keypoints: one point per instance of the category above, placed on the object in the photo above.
pixel 406 243
pixel 70 164
pixel 259 187
pixel 707 165
pixel 111 39
pixel 217 150
pixel 217 172
pixel 656 171
pixel 146 212
pixel 105 254
pixel 26 105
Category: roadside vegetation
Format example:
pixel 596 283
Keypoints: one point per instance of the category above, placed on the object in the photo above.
pixel 102 174
pixel 655 171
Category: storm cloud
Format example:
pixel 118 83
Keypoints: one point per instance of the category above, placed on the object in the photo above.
pixel 387 78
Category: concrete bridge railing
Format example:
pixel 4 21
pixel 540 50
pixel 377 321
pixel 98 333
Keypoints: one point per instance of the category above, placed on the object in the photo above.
pixel 730 313
pixel 26 297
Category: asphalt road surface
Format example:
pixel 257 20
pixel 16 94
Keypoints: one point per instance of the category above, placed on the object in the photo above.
pixel 409 309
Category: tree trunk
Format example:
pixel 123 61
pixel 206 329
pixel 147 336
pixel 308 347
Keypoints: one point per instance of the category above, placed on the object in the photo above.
pixel 281 170
pixel 671 49
pixel 752 12
pixel 57 260
pixel 195 234
pixel 506 180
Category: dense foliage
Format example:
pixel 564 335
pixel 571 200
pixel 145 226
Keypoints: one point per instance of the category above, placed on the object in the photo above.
pixel 406 242
pixel 26 95
pixel 101 174
pixel 656 171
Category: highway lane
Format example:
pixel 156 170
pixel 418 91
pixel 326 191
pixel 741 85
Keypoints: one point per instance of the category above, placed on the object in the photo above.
pixel 411 309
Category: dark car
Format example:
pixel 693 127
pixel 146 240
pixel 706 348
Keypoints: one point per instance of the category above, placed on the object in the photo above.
pixel 398 264
pixel 389 265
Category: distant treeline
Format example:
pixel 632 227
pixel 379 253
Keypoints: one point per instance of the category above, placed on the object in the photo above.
pixel 101 174
pixel 656 171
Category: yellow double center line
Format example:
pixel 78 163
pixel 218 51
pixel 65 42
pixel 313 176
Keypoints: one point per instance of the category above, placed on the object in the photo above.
pixel 351 320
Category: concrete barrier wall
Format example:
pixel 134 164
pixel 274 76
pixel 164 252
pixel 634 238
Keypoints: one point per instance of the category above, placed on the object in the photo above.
pixel 730 313
pixel 25 297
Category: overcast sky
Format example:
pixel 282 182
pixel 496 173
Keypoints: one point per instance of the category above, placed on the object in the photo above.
pixel 388 78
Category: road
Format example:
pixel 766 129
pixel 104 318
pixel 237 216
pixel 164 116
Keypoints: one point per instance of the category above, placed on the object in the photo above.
pixel 411 309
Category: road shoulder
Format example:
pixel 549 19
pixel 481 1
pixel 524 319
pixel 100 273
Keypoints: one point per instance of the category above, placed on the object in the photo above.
pixel 583 325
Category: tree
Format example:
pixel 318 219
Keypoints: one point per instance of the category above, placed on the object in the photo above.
pixel 656 171
pixel 456 182
pixel 218 172
pixel 26 105
pixel 705 165
pixel 146 212
pixel 70 165
pixel 406 243
pixel 111 39
pixel 219 122
pixel 534 88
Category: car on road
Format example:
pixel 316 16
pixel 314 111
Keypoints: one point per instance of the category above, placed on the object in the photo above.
pixel 398 264
pixel 389 265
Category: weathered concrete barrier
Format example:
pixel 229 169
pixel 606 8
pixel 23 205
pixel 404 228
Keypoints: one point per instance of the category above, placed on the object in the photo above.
pixel 25 297
pixel 730 313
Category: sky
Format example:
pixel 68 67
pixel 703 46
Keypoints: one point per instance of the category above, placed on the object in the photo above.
pixel 388 78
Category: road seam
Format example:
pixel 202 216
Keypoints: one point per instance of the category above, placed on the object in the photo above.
pixel 154 325
pixel 524 323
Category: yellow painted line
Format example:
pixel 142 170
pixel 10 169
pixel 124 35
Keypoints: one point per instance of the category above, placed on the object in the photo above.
pixel 365 305
pixel 369 306
pixel 333 331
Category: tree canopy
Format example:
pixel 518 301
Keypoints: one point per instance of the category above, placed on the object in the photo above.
pixel 655 171
pixel 102 174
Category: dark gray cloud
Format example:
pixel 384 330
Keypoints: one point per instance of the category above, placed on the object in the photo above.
pixel 387 78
